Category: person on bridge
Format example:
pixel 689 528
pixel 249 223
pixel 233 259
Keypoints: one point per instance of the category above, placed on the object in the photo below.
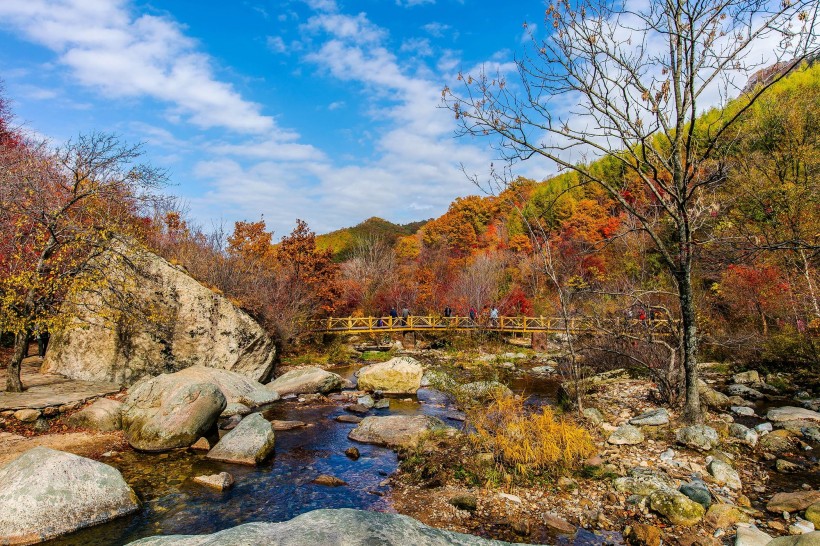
pixel 494 317
pixel 448 312
pixel 405 314
pixel 472 314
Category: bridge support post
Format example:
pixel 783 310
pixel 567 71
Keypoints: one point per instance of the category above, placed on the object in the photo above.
pixel 539 341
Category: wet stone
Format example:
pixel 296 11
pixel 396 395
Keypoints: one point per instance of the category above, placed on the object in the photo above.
pixel 329 481
pixel 357 408
pixel 352 453
pixel 348 419
pixel 220 482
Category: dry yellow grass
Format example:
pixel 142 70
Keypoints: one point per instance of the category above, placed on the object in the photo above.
pixel 529 442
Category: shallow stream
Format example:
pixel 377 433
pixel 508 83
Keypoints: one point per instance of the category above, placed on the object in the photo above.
pixel 280 488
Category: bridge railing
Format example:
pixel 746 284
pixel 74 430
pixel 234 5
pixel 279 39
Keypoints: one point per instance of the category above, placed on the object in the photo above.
pixel 509 324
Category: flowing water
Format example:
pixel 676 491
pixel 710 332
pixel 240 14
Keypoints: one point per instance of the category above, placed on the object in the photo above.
pixel 279 489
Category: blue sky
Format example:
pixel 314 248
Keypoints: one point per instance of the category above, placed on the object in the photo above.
pixel 325 110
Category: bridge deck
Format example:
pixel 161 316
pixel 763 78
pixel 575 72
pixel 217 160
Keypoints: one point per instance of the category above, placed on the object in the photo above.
pixel 465 324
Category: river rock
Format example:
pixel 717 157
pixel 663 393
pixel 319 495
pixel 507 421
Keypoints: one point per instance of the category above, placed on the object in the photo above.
pixel 287 425
pixel 747 378
pixel 777 441
pixel 792 502
pixel 744 391
pixel 348 419
pixel 785 467
pixel 27 415
pixel 802 527
pixel 384 403
pixel 654 417
pixel 711 397
pixel 194 325
pixel 352 453
pixel 698 492
pixel 626 434
pixel 676 507
pixel 720 516
pixel 47 493
pixel 811 433
pixel 699 437
pixel 813 514
pixel 329 481
pixel 235 408
pixel 396 430
pixel 763 428
pixel 744 434
pixel 220 482
pixel 400 375
pixel 464 502
pixel 749 535
pixel 743 411
pixel 339 527
pixel 366 401
pixel 812 404
pixel 483 391
pixel 808 539
pixel 644 481
pixel 169 412
pixel 640 534
pixel 306 381
pixel 103 415
pixel 237 388
pixel 249 443
pixel 594 415
pixel 791 413
pixel 724 474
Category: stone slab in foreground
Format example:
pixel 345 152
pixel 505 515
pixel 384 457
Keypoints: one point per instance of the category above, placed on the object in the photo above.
pixel 344 526
pixel 46 493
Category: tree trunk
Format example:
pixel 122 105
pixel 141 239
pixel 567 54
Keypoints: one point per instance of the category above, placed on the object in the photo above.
pixel 13 383
pixel 691 412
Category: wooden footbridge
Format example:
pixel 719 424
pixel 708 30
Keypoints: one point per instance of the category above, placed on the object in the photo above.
pixel 519 325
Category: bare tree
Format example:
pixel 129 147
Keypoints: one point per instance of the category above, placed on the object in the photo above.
pixel 641 81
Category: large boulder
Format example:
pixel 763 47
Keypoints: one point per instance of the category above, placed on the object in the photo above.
pixel 792 502
pixel 306 381
pixel 103 415
pixel 189 324
pixel 724 474
pixel 698 437
pixel 236 388
pixel 340 527
pixel 400 375
pixel 249 443
pixel 676 507
pixel 47 493
pixel 792 413
pixel 653 417
pixel 170 411
pixel 396 430
pixel 806 539
pixel 626 434
pixel 711 397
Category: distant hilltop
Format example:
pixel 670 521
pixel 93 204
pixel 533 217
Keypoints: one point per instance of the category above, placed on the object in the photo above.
pixel 343 241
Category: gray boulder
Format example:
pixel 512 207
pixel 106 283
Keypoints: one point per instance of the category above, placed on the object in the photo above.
pixel 168 412
pixel 654 417
pixel 236 388
pixel 47 493
pixel 626 434
pixel 396 430
pixel 103 415
pixel 743 411
pixel 593 415
pixel 676 507
pixel 806 539
pixel 749 535
pixel 697 437
pixel 483 391
pixel 711 397
pixel 249 443
pixel 643 481
pixel 341 527
pixel 310 380
pixel 724 474
pixel 747 378
pixel 400 375
pixel 744 434
pixel 744 391
pixel 791 413
pixel 193 325
pixel 812 404
pixel 698 492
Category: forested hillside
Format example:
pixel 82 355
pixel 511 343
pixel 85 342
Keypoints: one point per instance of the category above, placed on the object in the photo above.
pixel 756 245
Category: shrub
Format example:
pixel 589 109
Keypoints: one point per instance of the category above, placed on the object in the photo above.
pixel 528 442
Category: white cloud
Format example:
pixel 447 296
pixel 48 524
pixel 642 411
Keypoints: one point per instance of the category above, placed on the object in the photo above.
pixel 276 44
pixel 417 46
pixel 412 3
pixel 107 48
pixel 436 29
pixel 336 105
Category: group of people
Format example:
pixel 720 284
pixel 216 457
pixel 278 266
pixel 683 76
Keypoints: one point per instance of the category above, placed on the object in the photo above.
pixel 402 320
